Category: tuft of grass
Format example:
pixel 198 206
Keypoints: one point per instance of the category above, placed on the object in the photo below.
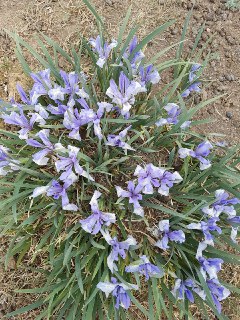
pixel 233 4
pixel 74 261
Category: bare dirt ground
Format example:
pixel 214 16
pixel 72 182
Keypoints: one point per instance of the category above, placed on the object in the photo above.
pixel 63 21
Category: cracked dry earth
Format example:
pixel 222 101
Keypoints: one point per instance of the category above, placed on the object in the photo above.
pixel 64 20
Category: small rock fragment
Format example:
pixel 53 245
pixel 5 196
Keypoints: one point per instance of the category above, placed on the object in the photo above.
pixel 229 77
pixel 230 40
pixel 204 36
pixel 229 115
pixel 109 2
pixel 174 31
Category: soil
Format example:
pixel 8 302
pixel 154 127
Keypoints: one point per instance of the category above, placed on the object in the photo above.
pixel 64 20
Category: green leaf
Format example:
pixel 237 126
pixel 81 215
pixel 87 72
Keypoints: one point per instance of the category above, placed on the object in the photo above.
pixel 149 37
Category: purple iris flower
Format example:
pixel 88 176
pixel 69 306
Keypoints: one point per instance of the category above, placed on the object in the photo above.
pixel 173 111
pixel 102 107
pixel 194 86
pixel 167 180
pixel 42 84
pixel 23 95
pixel 73 119
pixel 148 177
pixel 119 248
pixel 19 119
pixel 164 229
pixel 234 233
pixel 137 57
pixel 40 110
pixel 58 190
pixel 67 164
pixel 201 151
pixel 148 75
pixel 60 109
pixel 234 222
pixel 6 164
pixel 71 81
pixel 222 205
pixel 102 51
pixel 218 292
pixel 94 223
pixel 134 196
pixel 118 290
pixel 4 160
pixel 145 268
pixel 124 94
pixel 47 147
pixel 185 288
pixel 152 176
pixel 57 93
pixel 192 74
pixel 206 227
pixel 209 266
pixel 118 140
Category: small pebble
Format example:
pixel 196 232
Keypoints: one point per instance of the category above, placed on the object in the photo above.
pixel 204 36
pixel 222 33
pixel 229 115
pixel 109 2
pixel 221 79
pixel 191 45
pixel 229 77
pixel 174 31
pixel 230 40
pixel 224 16
pixel 227 54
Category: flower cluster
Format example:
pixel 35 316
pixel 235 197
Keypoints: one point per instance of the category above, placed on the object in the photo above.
pixel 59 121
pixel 148 177
pixel 223 205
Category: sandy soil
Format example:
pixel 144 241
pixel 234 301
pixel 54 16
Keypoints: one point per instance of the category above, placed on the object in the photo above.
pixel 63 21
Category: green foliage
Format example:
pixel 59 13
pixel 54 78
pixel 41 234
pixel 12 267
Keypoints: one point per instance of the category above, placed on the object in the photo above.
pixel 77 261
pixel 233 4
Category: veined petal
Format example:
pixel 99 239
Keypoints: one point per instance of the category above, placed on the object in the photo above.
pixel 39 191
pixel 106 287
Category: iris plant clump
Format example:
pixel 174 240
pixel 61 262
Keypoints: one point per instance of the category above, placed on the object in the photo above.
pixel 101 176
